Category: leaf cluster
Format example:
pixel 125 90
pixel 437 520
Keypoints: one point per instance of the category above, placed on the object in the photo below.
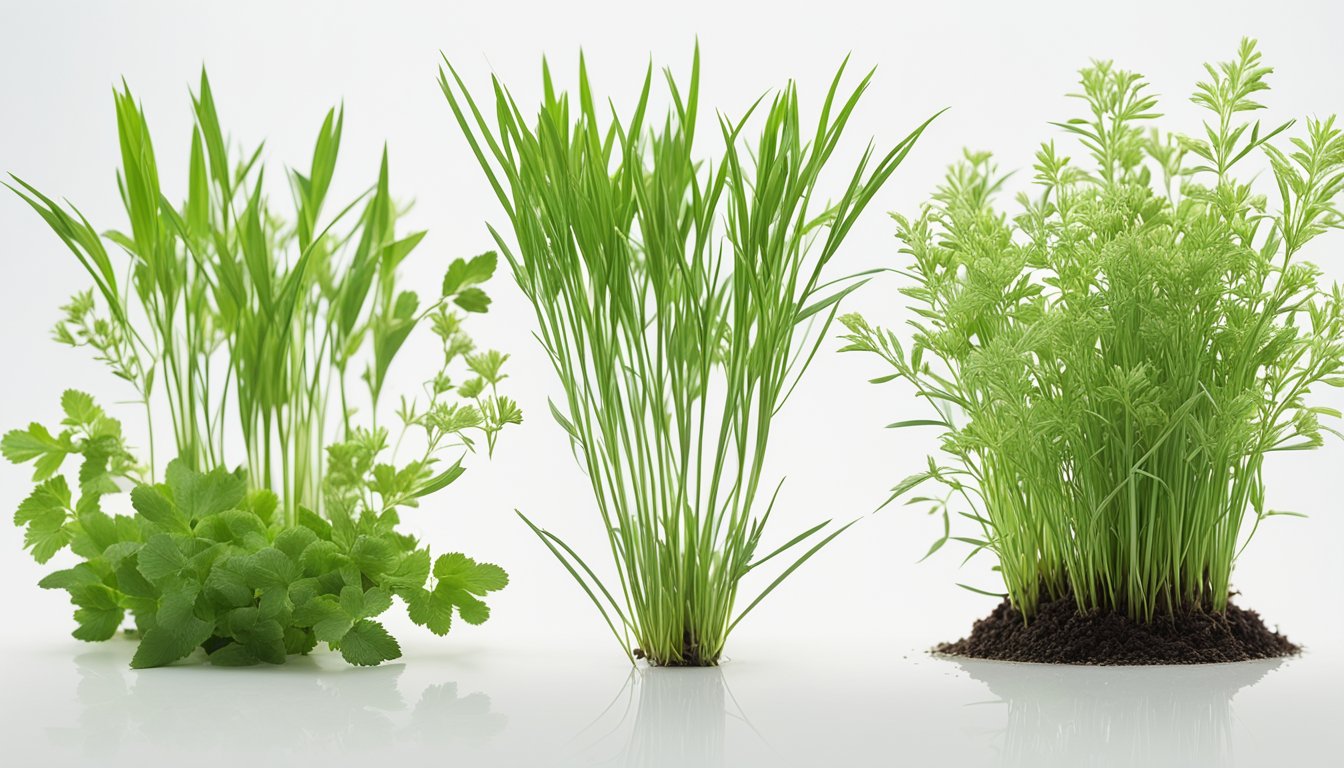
pixel 1110 365
pixel 205 563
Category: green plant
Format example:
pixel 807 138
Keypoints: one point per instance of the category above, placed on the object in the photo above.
pixel 205 563
pixel 230 303
pixel 241 308
pixel 1110 367
pixel 676 344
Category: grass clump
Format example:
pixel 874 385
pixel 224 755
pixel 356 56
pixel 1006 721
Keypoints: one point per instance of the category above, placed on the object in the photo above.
pixel 238 319
pixel 679 303
pixel 1111 365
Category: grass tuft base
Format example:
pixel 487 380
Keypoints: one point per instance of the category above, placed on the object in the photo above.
pixel 1059 634
pixel 691 656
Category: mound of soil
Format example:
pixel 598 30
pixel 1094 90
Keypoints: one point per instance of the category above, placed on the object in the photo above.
pixel 1059 634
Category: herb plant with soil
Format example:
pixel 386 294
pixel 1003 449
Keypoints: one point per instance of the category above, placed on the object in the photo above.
pixel 235 319
pixel 679 302
pixel 1110 367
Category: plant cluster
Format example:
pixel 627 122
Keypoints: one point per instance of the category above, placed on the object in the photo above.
pixel 236 319
pixel 679 303
pixel 1110 366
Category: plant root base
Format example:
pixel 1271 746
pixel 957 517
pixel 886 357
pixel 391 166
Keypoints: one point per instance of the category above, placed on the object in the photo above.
pixel 690 655
pixel 687 661
pixel 1059 634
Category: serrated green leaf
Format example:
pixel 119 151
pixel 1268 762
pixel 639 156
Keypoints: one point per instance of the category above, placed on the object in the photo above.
pixel 44 542
pixel 463 273
pixel 47 504
pixel 132 583
pixel 363 604
pixel 472 610
pixel 376 601
pixel 304 589
pixel 233 526
pixel 458 577
pixel 79 408
pixel 274 604
pixel 293 541
pixel 201 555
pixel 270 568
pixel 263 637
pixel 20 446
pixel 368 644
pixel 310 520
pixel 161 559
pixel 117 552
pixel 262 503
pixel 472 300
pixel 410 573
pixel 462 572
pixel 434 612
pixel 322 557
pixel 152 505
pixel 44 513
pixel 176 633
pixel 197 495
pixel 98 614
pixel 227 583
pixel 97 625
pixel 374 555
pixel 82 574
pixel 94 475
pixel 92 532
pixel 324 614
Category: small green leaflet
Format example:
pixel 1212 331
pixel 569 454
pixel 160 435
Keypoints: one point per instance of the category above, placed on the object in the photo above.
pixel 463 273
pixel 368 644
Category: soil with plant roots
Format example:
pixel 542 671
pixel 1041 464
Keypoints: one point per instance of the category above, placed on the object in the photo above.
pixel 1059 634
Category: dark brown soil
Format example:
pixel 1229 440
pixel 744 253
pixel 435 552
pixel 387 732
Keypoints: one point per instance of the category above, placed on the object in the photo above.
pixel 1059 634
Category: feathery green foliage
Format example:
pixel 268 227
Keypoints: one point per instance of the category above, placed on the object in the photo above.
pixel 676 341
pixel 231 310
pixel 1111 366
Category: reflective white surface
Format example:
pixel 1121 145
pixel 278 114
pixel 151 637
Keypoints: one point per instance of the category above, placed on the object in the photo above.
pixel 828 671
pixel 67 704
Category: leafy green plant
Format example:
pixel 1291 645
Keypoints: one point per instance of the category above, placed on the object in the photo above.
pixel 676 343
pixel 206 563
pixel 231 310
pixel 1110 367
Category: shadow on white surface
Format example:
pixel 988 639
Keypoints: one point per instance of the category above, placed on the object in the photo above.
pixel 1116 716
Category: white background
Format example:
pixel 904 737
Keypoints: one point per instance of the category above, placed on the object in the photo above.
pixel 1003 68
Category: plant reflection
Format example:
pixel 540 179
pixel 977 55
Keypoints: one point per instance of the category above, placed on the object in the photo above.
pixel 1104 716
pixel 301 709
pixel 681 718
